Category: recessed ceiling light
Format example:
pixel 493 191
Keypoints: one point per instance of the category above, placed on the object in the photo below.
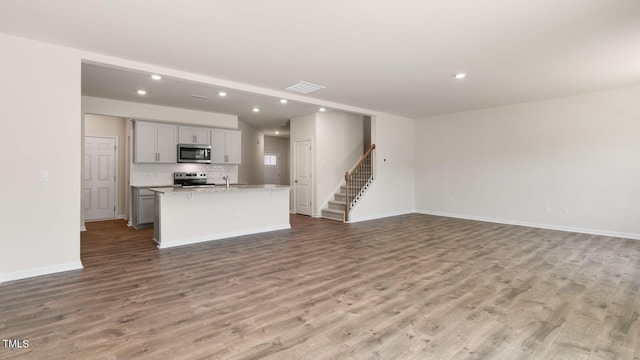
pixel 222 93
pixel 283 101
pixel 323 109
pixel 256 109
pixel 277 132
pixel 142 92
pixel 156 77
pixel 460 75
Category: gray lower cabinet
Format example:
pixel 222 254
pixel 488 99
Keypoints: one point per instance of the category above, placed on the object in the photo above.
pixel 156 229
pixel 143 207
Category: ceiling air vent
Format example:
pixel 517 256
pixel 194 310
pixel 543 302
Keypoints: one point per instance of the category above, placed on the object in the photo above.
pixel 200 97
pixel 304 87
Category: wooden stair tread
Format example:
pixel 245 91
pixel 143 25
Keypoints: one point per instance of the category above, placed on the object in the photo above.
pixel 334 211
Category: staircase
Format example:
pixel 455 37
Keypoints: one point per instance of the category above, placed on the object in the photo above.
pixel 357 181
pixel 336 207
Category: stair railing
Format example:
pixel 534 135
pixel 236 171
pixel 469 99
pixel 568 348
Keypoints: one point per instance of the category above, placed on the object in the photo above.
pixel 358 179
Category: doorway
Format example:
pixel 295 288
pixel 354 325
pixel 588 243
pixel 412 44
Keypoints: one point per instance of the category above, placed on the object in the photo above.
pixel 99 192
pixel 272 164
pixel 302 177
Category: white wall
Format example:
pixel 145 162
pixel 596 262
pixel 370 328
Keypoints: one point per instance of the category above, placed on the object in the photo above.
pixel 581 153
pixel 251 170
pixel 111 126
pixel 392 192
pixel 93 105
pixel 40 95
pixel 340 142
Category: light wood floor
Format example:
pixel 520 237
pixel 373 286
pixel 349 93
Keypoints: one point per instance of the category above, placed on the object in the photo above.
pixel 408 287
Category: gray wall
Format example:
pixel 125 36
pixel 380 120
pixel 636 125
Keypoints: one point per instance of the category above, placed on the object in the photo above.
pixel 366 130
pixel 251 170
pixel 279 145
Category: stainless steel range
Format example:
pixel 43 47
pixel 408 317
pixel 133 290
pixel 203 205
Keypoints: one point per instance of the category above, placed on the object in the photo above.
pixel 190 179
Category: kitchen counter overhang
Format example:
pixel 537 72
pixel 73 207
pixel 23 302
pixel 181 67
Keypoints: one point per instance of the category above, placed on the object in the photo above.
pixel 192 215
pixel 217 188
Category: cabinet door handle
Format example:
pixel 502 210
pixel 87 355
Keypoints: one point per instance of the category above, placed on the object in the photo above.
pixel 195 138
pixel 226 158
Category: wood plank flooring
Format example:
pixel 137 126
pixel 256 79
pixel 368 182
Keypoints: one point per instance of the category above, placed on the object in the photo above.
pixel 407 287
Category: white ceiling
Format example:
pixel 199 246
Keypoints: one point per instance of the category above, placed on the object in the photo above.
pixel 122 84
pixel 392 56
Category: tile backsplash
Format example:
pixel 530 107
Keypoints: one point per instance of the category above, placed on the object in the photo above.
pixel 162 174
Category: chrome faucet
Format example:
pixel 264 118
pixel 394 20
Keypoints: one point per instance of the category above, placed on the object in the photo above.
pixel 226 178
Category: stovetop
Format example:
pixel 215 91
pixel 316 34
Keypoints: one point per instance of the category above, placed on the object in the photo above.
pixel 189 179
pixel 194 186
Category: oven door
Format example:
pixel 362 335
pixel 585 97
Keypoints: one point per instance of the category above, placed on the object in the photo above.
pixel 194 154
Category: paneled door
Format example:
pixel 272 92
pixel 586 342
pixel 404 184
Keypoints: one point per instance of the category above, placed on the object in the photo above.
pixel 302 177
pixel 99 193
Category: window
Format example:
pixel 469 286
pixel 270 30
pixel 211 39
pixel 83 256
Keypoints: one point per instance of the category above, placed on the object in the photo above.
pixel 270 160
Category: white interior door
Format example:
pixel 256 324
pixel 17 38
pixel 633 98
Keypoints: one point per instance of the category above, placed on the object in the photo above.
pixel 302 177
pixel 272 168
pixel 99 178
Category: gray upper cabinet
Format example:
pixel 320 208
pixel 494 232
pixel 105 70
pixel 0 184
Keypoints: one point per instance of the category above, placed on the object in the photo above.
pixel 155 142
pixel 225 146
pixel 194 135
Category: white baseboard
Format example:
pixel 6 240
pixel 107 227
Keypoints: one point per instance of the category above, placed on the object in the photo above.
pixel 46 270
pixel 535 225
pixel 83 228
pixel 121 217
pixel 379 216
pixel 194 240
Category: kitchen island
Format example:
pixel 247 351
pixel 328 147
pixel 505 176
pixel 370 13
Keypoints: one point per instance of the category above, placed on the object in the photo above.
pixel 191 215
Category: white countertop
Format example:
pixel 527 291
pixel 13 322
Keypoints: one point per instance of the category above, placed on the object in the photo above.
pixel 218 189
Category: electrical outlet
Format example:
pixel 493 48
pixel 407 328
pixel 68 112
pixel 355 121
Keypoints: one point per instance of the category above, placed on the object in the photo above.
pixel 547 209
pixel 565 211
pixel 452 200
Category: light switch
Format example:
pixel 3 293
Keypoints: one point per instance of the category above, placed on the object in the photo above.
pixel 43 175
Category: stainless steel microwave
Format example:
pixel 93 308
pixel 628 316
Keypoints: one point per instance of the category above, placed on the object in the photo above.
pixel 194 153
